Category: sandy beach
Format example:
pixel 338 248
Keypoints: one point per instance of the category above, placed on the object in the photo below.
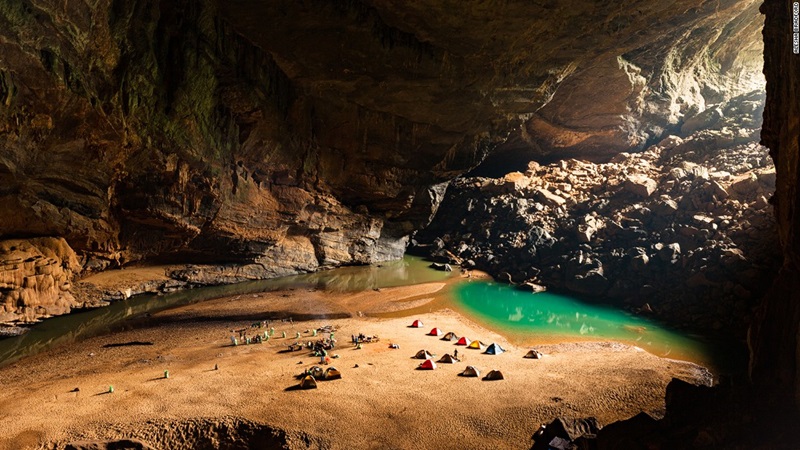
pixel 382 401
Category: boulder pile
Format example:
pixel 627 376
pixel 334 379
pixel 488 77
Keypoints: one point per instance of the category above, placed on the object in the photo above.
pixel 683 230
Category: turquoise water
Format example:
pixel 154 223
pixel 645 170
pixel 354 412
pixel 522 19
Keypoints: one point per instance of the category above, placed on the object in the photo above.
pixel 525 318
pixel 546 317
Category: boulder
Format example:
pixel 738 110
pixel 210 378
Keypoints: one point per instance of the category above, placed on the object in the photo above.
pixel 549 198
pixel 640 185
pixel 703 120
pixel 564 428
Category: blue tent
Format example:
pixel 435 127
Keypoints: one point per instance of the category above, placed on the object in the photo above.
pixel 494 349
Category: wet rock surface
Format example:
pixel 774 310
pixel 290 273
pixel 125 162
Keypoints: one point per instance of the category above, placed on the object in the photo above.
pixel 683 230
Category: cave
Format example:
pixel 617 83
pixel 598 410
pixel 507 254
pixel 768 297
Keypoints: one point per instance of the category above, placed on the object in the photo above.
pixel 640 154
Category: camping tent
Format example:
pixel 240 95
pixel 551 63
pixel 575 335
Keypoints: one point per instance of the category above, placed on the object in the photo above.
pixel 448 359
pixel 417 324
pixel 436 332
pixel 471 371
pixel 332 373
pixel 450 336
pixel 423 354
pixel 316 372
pixel 477 344
pixel 533 354
pixel 494 349
pixel 428 364
pixel 463 341
pixel 308 382
pixel 494 375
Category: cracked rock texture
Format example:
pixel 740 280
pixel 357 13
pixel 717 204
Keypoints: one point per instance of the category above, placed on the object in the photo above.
pixel 270 138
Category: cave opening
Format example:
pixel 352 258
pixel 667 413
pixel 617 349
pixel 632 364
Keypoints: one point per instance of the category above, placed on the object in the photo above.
pixel 656 200
pixel 606 150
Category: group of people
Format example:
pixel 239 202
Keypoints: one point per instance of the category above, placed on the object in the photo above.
pixel 362 339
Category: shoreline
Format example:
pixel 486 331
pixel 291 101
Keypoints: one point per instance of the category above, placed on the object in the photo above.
pixel 418 301
pixel 383 402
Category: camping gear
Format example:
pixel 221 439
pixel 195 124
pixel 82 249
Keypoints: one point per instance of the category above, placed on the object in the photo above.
pixel 316 372
pixel 450 336
pixel 494 375
pixel 471 371
pixel 463 341
pixel 477 345
pixel 417 324
pixel 533 354
pixel 308 382
pixel 428 364
pixel 436 332
pixel 494 349
pixel 423 354
pixel 332 373
pixel 448 359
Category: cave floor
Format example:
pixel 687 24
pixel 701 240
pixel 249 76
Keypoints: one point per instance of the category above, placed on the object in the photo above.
pixel 380 402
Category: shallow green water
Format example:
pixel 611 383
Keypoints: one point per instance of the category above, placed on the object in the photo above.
pixel 525 318
pixel 529 317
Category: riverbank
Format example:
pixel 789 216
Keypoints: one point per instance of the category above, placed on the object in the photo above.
pixel 380 402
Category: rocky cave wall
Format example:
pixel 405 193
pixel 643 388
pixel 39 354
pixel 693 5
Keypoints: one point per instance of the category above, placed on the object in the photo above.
pixel 774 339
pixel 290 136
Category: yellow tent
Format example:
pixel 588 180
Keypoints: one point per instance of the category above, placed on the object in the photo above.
pixel 332 373
pixel 477 345
pixel 308 382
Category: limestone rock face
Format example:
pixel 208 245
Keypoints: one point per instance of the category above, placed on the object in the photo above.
pixel 288 136
pixel 35 277
pixel 774 338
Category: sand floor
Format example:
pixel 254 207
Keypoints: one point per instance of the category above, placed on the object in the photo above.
pixel 382 403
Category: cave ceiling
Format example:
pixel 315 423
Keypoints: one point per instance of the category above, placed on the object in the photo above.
pixel 294 135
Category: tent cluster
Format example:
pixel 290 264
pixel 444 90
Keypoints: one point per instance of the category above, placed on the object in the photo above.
pixel 469 371
pixel 472 371
pixel 308 379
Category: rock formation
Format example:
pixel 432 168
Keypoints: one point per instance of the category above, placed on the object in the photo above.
pixel 35 279
pixel 774 339
pixel 683 229
pixel 190 131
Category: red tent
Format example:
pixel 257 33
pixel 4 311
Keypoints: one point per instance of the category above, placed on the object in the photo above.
pixel 463 341
pixel 428 364
pixel 436 332
pixel 417 324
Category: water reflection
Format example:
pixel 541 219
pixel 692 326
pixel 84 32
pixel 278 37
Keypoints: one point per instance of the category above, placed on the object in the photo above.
pixel 70 328
pixel 545 314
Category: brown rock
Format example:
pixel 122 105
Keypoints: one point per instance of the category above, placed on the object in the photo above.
pixel 640 185
pixel 549 198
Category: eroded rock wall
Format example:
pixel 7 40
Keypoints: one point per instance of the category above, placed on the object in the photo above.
pixel 287 136
pixel 139 129
pixel 35 279
pixel 774 338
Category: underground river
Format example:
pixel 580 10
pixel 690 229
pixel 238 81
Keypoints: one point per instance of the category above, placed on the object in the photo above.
pixel 524 318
